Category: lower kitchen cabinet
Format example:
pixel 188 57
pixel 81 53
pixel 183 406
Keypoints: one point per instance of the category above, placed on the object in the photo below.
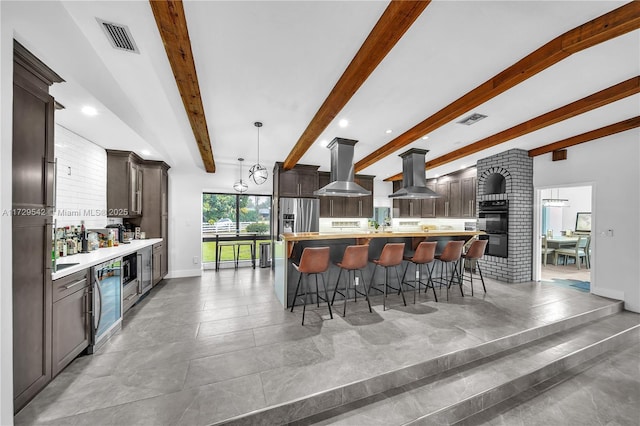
pixel 158 251
pixel 71 319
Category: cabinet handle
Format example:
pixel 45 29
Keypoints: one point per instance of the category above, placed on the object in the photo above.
pixel 330 207
pixel 67 287
pixel 55 182
pixel 131 297
pixel 360 208
pixel 410 208
pixel 446 209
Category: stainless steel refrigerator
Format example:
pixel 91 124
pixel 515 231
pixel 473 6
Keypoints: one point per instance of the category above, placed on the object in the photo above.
pixel 298 215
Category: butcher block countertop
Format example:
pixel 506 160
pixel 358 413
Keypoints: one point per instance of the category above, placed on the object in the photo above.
pixel 319 236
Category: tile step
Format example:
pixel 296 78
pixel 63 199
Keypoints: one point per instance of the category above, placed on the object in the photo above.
pixel 464 391
pixel 376 387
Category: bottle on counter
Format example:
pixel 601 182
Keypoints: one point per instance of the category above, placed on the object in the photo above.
pixel 84 242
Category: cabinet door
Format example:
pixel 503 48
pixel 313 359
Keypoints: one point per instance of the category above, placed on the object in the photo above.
pixel 325 202
pixel 455 199
pixel 289 185
pixel 366 203
pixel 157 263
pixel 429 204
pixel 308 183
pixel 442 203
pixel 71 328
pixel 31 307
pixel 469 197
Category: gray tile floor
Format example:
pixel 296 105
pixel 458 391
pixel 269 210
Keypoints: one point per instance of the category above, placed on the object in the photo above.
pixel 199 350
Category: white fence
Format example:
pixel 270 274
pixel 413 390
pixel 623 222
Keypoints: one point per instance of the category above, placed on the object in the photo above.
pixel 208 228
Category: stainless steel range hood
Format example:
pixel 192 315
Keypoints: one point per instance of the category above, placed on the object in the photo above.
pixel 414 182
pixel 342 184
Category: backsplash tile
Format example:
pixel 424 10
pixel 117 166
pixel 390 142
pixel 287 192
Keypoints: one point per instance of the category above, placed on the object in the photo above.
pixel 81 180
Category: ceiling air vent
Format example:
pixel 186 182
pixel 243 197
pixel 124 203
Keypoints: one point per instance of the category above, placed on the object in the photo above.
pixel 119 36
pixel 472 119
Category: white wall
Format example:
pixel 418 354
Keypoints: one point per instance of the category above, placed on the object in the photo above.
pixel 81 185
pixel 6 317
pixel 185 211
pixel 611 164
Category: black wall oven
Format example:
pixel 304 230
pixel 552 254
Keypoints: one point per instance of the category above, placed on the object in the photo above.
pixel 493 218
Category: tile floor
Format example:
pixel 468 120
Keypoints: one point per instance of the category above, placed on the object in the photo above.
pixel 200 350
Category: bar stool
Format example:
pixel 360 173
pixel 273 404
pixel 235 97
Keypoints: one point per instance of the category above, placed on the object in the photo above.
pixel 391 256
pixel 252 248
pixel 314 261
pixel 451 257
pixel 475 253
pixel 219 252
pixel 424 255
pixel 354 260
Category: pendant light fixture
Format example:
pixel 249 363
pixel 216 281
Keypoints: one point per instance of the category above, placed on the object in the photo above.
pixel 240 185
pixel 555 202
pixel 258 173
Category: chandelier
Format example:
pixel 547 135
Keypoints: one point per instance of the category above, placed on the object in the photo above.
pixel 240 185
pixel 258 173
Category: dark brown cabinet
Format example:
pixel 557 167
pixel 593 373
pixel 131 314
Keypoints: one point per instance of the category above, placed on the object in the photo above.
pixel 33 200
pixel 299 182
pixel 351 207
pixel 124 184
pixel 157 262
pixel 71 319
pixel 405 207
pixel 468 197
pixel 457 198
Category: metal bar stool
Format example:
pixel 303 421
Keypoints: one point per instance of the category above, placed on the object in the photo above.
pixel 475 253
pixel 219 247
pixel 391 256
pixel 450 257
pixel 252 248
pixel 354 259
pixel 424 255
pixel 314 261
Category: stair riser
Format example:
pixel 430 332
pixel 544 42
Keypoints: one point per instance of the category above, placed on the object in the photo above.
pixel 491 397
pixel 333 398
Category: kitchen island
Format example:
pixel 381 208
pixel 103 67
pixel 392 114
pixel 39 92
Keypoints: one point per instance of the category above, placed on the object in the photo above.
pixel 289 249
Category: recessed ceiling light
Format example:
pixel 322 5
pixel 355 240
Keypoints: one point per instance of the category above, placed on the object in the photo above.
pixel 343 123
pixel 425 137
pixel 463 166
pixel 324 143
pixel 89 110
pixel 145 152
pixel 388 131
pixel 437 176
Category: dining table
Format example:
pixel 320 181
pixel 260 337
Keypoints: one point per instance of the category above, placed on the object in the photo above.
pixel 562 241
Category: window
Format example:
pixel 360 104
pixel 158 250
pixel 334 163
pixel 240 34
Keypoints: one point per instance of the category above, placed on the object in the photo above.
pixel 233 217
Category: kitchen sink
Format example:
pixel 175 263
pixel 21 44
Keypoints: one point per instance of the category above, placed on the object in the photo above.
pixel 62 266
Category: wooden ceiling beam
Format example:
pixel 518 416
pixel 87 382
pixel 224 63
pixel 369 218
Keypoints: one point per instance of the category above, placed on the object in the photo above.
pixel 172 25
pixel 612 129
pixel 394 22
pixel 596 100
pixel 606 27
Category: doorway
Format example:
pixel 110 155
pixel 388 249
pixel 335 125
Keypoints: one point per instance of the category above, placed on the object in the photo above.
pixel 562 228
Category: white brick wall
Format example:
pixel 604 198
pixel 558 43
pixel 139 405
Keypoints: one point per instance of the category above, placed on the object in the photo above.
pixel 81 192
pixel 517 168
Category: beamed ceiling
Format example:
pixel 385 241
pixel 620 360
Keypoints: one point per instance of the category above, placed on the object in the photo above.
pixel 548 74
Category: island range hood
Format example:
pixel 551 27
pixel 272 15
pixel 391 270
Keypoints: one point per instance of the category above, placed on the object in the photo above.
pixel 414 182
pixel 342 184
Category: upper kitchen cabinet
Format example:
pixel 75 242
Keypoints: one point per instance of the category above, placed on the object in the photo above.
pixel 299 182
pixel 457 198
pixel 33 202
pixel 124 184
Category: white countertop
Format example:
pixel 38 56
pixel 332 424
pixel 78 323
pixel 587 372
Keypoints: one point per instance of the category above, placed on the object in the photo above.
pixel 87 260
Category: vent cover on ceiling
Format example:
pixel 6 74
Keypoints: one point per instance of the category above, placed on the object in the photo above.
pixel 119 36
pixel 472 119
